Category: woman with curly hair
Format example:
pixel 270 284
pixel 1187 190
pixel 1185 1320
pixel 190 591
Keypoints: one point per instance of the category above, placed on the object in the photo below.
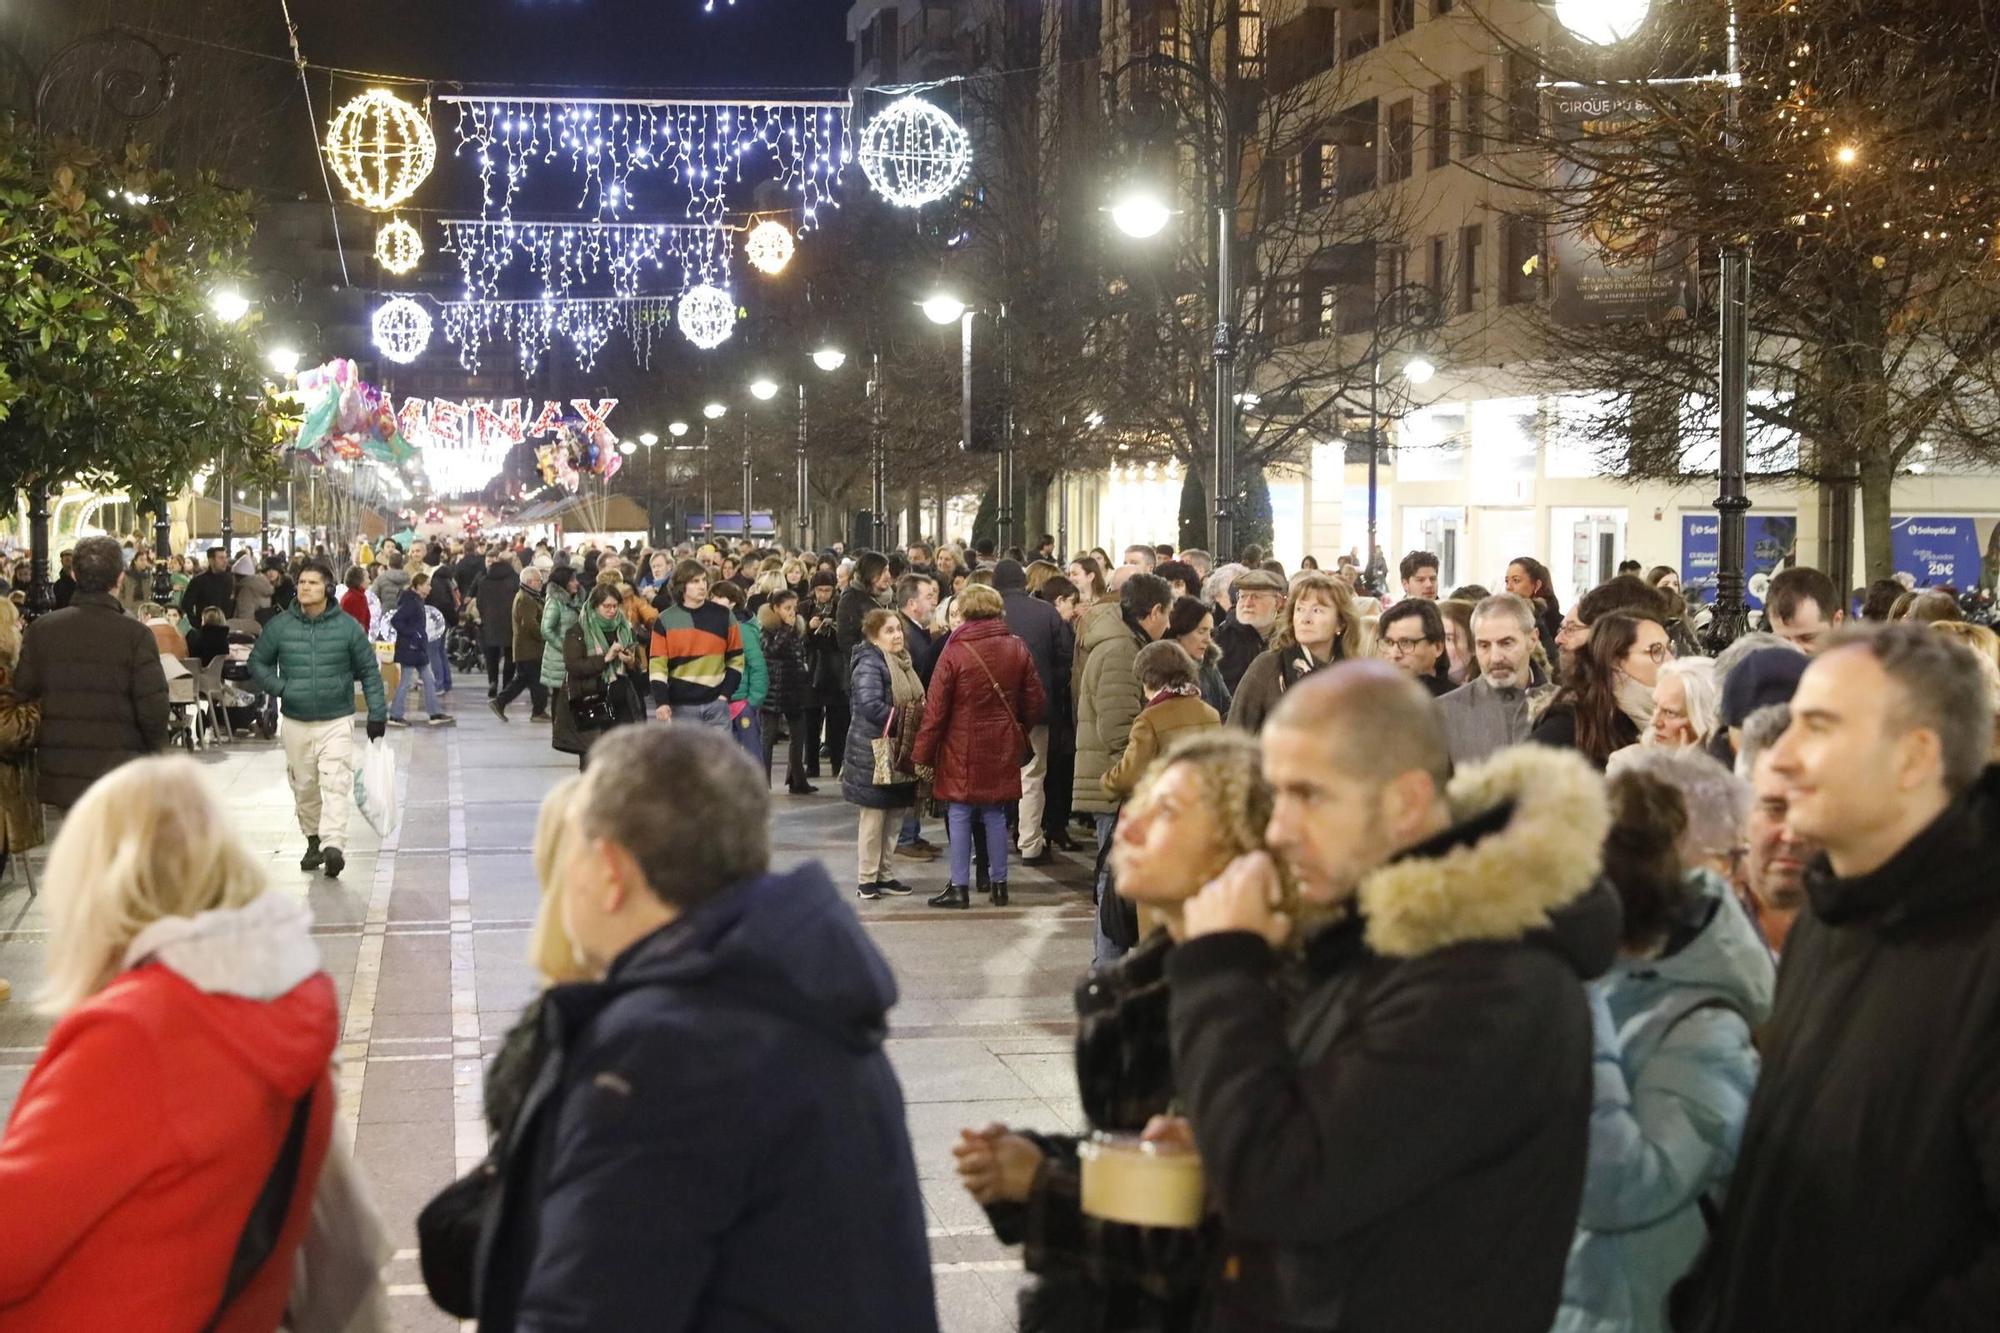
pixel 1204 804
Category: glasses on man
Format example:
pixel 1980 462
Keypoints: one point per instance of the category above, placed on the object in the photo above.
pixel 1397 647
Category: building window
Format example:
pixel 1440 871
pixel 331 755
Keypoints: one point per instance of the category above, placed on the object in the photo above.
pixel 1524 98
pixel 1439 8
pixel 1440 272
pixel 1291 191
pixel 1472 110
pixel 1402 16
pixel 1285 311
pixel 1471 287
pixel 1322 171
pixel 1400 159
pixel 1440 136
pixel 1520 281
pixel 1357 150
pixel 1395 267
pixel 1249 40
pixel 1328 315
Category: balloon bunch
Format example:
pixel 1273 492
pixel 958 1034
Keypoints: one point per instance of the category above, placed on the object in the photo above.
pixel 346 418
pixel 576 452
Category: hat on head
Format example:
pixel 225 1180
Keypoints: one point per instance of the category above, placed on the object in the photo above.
pixel 1258 580
pixel 1009 574
pixel 1767 676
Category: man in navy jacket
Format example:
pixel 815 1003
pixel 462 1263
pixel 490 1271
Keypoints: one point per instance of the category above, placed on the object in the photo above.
pixel 715 1140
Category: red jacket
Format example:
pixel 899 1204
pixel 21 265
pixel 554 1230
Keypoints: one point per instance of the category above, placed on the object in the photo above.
pixel 140 1142
pixel 355 602
pixel 972 732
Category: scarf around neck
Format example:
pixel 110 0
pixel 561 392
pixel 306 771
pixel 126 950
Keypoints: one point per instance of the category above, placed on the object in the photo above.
pixel 598 634
pixel 1636 702
pixel 905 686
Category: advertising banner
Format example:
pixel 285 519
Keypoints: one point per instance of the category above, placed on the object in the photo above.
pixel 1616 268
pixel 1937 552
pixel 1768 540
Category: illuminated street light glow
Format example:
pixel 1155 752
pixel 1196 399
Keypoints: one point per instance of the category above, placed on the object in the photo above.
pixel 627 448
pixel 943 308
pixel 677 429
pixel 283 360
pixel 1420 370
pixel 649 439
pixel 1141 215
pixel 1602 22
pixel 763 390
pixel 715 411
pixel 829 358
pixel 228 304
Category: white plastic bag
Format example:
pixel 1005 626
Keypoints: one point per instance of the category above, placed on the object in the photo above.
pixel 375 787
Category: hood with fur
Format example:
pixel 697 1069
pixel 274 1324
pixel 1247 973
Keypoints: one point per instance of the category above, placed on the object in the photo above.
pixel 1527 844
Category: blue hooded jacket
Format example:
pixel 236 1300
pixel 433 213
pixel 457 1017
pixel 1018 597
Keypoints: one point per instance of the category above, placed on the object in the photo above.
pixel 716 1140
pixel 1674 1070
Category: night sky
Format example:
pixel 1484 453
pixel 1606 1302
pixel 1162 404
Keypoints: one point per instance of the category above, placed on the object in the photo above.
pixel 595 44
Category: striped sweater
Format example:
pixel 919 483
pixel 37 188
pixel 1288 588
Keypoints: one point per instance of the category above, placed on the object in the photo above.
pixel 697 655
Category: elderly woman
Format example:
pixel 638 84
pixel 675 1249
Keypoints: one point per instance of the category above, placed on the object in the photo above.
pixel 1687 704
pixel 1191 624
pixel 1203 805
pixel 984 696
pixel 195 1030
pixel 883 688
pixel 1317 627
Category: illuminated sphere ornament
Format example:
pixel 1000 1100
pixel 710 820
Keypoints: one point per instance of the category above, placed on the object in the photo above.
pixel 769 247
pixel 913 153
pixel 381 148
pixel 398 247
pixel 1602 22
pixel 402 329
pixel 707 316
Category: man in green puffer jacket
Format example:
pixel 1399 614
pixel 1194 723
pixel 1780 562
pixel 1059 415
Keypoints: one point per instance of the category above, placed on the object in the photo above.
pixel 309 659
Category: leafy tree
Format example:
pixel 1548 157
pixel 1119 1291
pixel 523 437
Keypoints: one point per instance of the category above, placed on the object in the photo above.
pixel 1253 506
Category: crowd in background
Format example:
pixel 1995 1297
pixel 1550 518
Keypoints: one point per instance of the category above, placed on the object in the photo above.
pixel 1506 966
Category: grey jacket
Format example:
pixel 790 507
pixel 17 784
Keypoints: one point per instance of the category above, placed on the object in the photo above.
pixel 1480 720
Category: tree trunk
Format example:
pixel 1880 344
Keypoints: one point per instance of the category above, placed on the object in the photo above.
pixel 1878 480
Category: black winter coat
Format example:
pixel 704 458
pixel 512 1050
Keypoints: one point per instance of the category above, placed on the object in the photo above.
pixel 1039 625
pixel 790 670
pixel 715 1140
pixel 96 673
pixel 444 596
pixel 829 663
pixel 852 609
pixel 495 600
pixel 1867 1192
pixel 1404 1147
pixel 1241 645
pixel 924 649
pixel 1096 1275
pixel 869 700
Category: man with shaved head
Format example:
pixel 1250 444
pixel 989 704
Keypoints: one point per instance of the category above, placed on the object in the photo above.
pixel 1402 1145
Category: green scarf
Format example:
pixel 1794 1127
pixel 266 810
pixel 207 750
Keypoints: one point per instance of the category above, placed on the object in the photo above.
pixel 598 634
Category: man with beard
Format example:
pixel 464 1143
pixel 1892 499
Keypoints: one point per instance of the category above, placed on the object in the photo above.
pixel 1490 712
pixel 1246 631
pixel 1773 873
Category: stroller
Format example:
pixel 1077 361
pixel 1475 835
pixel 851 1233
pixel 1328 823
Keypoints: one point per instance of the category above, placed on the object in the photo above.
pixel 461 647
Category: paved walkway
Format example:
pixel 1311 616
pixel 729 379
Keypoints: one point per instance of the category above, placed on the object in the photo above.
pixel 425 936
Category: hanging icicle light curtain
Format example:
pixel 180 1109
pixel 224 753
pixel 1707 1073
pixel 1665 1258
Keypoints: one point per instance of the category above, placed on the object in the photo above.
pixel 533 327
pixel 566 255
pixel 704 147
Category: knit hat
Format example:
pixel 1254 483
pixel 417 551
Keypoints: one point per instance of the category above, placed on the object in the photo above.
pixel 1767 676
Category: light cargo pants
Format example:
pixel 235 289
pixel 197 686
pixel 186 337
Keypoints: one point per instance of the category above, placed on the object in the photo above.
pixel 319 759
pixel 1034 793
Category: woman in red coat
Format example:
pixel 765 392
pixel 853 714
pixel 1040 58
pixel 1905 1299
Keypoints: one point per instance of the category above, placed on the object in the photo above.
pixel 984 696
pixel 191 1059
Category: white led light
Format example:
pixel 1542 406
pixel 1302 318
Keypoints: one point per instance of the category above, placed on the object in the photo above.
pixel 913 153
pixel 402 329
pixel 707 316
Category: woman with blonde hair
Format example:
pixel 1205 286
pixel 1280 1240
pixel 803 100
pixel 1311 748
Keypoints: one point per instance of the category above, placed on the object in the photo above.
pixel 1319 625
pixel 191 1053
pixel 1202 805
pixel 20 802
pixel 448 1228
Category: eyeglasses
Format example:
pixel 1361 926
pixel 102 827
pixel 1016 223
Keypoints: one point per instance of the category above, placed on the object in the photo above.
pixel 1659 652
pixel 1402 647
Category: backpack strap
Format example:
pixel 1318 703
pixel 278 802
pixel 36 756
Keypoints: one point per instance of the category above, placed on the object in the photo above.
pixel 261 1229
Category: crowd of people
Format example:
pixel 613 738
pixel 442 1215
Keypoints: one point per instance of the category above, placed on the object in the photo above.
pixel 1504 966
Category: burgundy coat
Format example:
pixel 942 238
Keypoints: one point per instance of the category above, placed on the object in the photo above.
pixel 969 733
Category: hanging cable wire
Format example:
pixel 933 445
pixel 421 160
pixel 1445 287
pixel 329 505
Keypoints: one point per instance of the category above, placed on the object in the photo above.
pixel 312 119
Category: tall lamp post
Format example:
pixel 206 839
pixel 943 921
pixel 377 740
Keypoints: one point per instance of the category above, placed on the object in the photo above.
pixel 711 413
pixel 229 306
pixel 828 358
pixel 763 390
pixel 944 308
pixel 1609 23
pixel 1142 214
pixel 649 439
pixel 1409 309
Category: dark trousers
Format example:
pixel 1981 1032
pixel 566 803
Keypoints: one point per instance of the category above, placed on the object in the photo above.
pixel 499 666
pixel 527 680
pixel 795 746
pixel 837 717
pixel 1061 780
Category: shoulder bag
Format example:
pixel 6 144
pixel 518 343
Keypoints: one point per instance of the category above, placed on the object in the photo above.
pixel 1027 746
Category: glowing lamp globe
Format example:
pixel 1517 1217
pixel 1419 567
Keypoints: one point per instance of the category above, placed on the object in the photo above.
pixel 228 305
pixel 1141 216
pixel 677 429
pixel 829 358
pixel 763 391
pixel 381 148
pixel 1420 370
pixel 943 308
pixel 1602 22
pixel 715 411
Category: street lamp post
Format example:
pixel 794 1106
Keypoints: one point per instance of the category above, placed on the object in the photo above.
pixel 1140 217
pixel 710 413
pixel 649 439
pixel 1409 308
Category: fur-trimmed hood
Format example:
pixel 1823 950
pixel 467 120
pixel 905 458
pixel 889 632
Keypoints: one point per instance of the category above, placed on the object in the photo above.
pixel 1523 857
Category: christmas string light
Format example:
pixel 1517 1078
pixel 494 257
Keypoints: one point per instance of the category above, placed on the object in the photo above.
pixel 913 153
pixel 586 323
pixel 381 148
pixel 705 147
pixel 707 316
pixel 566 255
pixel 402 329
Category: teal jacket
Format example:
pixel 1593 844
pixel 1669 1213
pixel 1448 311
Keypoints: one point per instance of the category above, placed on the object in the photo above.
pixel 311 664
pixel 559 615
pixel 1674 1071
pixel 756 686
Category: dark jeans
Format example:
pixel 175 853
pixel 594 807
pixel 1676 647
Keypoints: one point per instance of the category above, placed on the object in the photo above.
pixel 527 680
pixel 795 746
pixel 1061 781
pixel 499 665
pixel 836 715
